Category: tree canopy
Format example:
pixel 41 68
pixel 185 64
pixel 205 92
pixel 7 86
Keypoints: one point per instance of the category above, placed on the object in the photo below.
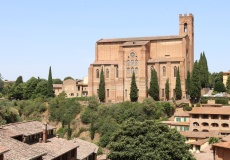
pixel 167 89
pixel 203 71
pixel 148 140
pixel 154 87
pixel 228 84
pixel 101 89
pixel 178 90
pixel 195 87
pixel 50 92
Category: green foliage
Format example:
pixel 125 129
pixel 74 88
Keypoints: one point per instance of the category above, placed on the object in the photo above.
pixel 101 90
pixel 149 106
pixel 68 78
pixel 221 101
pixel 203 100
pixel 228 84
pixel 154 87
pixel 42 89
pixel 167 89
pixel 93 102
pixel 187 108
pixel 178 90
pixel 188 82
pixel 195 84
pixel 213 140
pixel 86 116
pixel 214 77
pixel 148 140
pixel 133 89
pixel 219 86
pixel 30 87
pixel 57 81
pixel 203 71
pixel 50 92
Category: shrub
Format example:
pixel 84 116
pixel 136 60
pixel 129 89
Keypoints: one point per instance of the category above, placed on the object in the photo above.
pixel 187 108
pixel 221 101
pixel 203 100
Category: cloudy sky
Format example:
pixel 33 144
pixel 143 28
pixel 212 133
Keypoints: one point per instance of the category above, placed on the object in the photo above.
pixel 62 34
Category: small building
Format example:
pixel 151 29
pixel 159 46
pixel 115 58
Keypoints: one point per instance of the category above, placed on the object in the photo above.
pixel 221 150
pixel 72 88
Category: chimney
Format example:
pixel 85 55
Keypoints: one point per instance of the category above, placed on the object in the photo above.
pixel 45 132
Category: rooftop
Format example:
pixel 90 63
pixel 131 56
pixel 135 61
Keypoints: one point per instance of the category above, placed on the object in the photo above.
pixel 176 123
pixel 23 128
pixel 105 62
pixel 141 38
pixel 200 134
pixel 3 150
pixel 55 147
pixel 19 150
pixel 85 148
pixel 226 138
pixel 199 142
pixel 181 113
pixel 222 145
pixel 225 110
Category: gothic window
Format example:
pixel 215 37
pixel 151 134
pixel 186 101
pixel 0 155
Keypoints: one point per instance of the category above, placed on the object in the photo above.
pixel 132 62
pixel 136 70
pixel 136 62
pixel 132 54
pixel 107 92
pixel 97 73
pixel 132 70
pixel 175 71
pixel 163 93
pixel 128 70
pixel 107 73
pixel 185 27
pixel 116 72
pixel 128 63
pixel 164 71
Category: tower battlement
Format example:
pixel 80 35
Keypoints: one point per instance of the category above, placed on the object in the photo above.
pixel 185 15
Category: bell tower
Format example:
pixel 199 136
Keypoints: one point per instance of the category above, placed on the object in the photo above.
pixel 186 27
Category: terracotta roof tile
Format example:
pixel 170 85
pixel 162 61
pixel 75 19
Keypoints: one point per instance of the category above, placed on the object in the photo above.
pixel 85 148
pixel 3 150
pixel 226 138
pixel 199 142
pixel 176 123
pixel 222 145
pixel 135 43
pixel 104 62
pixel 225 110
pixel 57 85
pixel 141 38
pixel 200 134
pixel 181 113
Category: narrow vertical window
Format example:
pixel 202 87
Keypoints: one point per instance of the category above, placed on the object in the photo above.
pixel 136 70
pixel 164 71
pixel 107 92
pixel 128 63
pixel 136 62
pixel 132 62
pixel 97 73
pixel 116 72
pixel 175 71
pixel 128 70
pixel 163 93
pixel 185 27
pixel 132 70
pixel 107 73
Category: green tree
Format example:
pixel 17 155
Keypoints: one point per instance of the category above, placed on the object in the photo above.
pixel 228 84
pixel 213 140
pixel 50 92
pixel 195 84
pixel 219 86
pixel 188 81
pixel 149 106
pixel 154 87
pixel 148 140
pixel 57 81
pixel 68 78
pixel 42 88
pixel 133 89
pixel 18 81
pixel 205 62
pixel 30 86
pixel 167 89
pixel 178 86
pixel 101 89
pixel 203 71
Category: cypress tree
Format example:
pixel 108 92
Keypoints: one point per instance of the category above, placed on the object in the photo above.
pixel 188 80
pixel 178 86
pixel 50 92
pixel 154 87
pixel 228 84
pixel 101 90
pixel 206 70
pixel 195 84
pixel 167 89
pixel 133 89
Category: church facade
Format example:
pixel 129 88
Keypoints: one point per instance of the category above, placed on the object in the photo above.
pixel 120 57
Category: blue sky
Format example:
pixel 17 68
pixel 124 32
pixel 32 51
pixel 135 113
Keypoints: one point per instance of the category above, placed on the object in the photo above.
pixel 62 34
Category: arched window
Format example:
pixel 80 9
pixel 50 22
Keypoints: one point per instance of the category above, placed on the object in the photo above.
pixel 195 124
pixel 175 71
pixel 128 63
pixel 132 62
pixel 116 72
pixel 107 73
pixel 128 70
pixel 195 130
pixel 205 124
pixel 97 73
pixel 132 70
pixel 205 130
pixel 136 62
pixel 224 125
pixel 136 70
pixel 215 124
pixel 185 27
pixel 164 71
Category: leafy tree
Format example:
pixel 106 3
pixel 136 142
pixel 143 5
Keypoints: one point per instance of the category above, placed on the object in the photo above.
pixel 228 84
pixel 50 92
pixel 30 86
pixel 93 102
pixel 206 70
pixel 57 81
pixel 68 78
pixel 19 91
pixel 133 89
pixel 101 90
pixel 149 106
pixel 219 86
pixel 154 87
pixel 213 140
pixel 148 140
pixel 167 89
pixel 178 86
pixel 18 81
pixel 42 88
pixel 188 81
pixel 203 71
pixel 195 84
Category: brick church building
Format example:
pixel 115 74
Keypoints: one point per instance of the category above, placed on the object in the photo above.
pixel 120 57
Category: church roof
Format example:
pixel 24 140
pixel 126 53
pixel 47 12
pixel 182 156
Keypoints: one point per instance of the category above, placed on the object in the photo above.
pixel 141 38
